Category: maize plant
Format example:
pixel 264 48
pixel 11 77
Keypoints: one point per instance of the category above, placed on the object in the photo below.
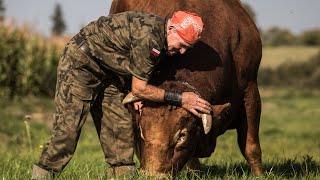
pixel 28 63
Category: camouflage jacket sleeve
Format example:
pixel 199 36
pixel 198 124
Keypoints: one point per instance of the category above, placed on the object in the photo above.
pixel 142 60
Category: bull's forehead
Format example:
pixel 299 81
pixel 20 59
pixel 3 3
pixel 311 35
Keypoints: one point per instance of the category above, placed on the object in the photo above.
pixel 163 121
pixel 164 113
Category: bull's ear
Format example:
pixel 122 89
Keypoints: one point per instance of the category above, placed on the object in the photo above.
pixel 220 109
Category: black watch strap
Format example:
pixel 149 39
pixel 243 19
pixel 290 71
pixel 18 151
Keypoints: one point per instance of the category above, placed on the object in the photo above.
pixel 173 98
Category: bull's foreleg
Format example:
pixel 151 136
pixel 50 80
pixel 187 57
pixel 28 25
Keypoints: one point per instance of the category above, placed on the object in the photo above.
pixel 248 131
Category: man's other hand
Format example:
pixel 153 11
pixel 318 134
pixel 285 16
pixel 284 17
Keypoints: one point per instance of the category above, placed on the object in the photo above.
pixel 193 103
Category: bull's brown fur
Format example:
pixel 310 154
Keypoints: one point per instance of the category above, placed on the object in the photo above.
pixel 222 67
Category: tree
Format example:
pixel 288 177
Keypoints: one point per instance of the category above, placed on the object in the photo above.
pixel 59 25
pixel 276 36
pixel 311 37
pixel 2 10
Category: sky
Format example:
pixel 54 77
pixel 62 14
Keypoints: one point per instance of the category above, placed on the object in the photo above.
pixel 295 15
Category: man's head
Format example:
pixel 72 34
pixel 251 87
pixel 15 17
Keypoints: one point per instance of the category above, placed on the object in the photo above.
pixel 183 31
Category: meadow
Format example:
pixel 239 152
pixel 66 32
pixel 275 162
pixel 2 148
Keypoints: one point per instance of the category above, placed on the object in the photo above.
pixel 272 57
pixel 289 139
pixel 289 133
pixel 289 136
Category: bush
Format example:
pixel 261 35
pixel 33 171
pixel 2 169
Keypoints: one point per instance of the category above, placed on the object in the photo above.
pixel 278 37
pixel 310 37
pixel 299 74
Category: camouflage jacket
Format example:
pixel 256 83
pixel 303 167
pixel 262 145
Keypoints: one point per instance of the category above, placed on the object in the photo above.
pixel 128 43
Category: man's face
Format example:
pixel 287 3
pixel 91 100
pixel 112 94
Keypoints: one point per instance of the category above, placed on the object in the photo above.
pixel 176 44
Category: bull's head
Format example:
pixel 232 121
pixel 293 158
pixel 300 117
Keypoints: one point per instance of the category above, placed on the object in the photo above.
pixel 170 136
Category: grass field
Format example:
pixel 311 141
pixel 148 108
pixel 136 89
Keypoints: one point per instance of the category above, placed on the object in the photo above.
pixel 274 56
pixel 289 136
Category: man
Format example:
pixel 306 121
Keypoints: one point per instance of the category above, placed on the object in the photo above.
pixel 93 73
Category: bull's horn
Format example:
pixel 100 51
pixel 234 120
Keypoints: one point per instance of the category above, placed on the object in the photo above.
pixel 141 134
pixel 206 122
pixel 130 98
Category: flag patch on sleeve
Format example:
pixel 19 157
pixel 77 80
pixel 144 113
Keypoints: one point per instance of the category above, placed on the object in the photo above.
pixel 155 52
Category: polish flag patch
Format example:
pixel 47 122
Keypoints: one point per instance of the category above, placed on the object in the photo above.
pixel 155 52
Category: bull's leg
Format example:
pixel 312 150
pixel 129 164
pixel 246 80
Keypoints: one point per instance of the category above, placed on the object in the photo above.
pixel 248 131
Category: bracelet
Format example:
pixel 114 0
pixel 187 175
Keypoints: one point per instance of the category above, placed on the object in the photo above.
pixel 173 98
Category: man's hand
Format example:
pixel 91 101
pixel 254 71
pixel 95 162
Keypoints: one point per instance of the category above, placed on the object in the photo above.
pixel 192 102
pixel 138 106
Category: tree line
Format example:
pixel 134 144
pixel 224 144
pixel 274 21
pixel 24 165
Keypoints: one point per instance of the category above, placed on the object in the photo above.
pixel 274 36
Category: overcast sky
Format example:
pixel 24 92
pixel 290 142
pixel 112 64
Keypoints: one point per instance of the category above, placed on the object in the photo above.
pixel 296 15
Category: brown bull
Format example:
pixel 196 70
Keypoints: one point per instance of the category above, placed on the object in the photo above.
pixel 221 68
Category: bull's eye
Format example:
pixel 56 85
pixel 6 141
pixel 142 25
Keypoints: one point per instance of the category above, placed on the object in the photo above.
pixel 182 137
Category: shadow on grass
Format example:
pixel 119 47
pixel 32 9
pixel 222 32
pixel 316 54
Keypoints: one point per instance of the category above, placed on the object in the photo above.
pixel 286 168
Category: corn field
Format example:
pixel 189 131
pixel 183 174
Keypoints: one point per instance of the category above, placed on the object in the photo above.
pixel 27 63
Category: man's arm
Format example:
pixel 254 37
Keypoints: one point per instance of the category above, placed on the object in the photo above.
pixel 190 101
pixel 142 89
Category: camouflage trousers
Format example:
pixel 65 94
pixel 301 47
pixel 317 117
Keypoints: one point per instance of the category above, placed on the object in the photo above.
pixel 83 87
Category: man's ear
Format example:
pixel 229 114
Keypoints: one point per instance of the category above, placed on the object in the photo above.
pixel 220 109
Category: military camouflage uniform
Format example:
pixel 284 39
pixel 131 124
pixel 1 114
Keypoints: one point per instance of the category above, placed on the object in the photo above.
pixel 122 45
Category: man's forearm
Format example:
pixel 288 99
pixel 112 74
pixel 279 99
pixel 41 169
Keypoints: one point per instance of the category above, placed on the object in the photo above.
pixel 145 91
pixel 150 92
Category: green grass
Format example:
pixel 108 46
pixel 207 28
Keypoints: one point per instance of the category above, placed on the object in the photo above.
pixel 289 137
pixel 272 57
